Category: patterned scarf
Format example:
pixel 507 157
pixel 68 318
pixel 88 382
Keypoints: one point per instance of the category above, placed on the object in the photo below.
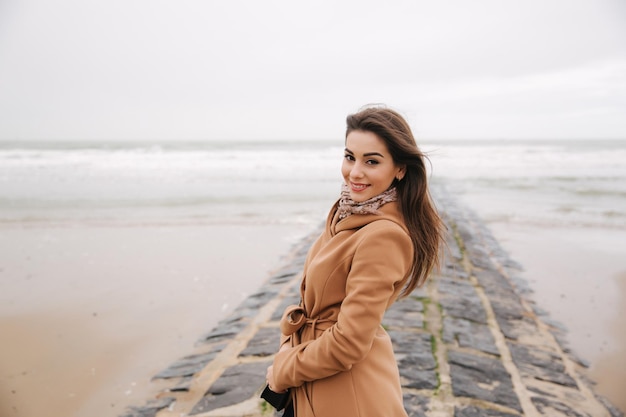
pixel 348 206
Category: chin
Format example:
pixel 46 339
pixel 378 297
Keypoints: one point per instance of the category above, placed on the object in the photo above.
pixel 359 198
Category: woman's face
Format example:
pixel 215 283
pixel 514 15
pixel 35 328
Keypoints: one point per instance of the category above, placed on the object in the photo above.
pixel 368 168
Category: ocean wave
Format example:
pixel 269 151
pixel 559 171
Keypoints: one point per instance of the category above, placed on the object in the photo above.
pixel 204 181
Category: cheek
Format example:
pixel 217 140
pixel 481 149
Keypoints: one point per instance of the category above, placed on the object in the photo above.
pixel 345 169
pixel 387 178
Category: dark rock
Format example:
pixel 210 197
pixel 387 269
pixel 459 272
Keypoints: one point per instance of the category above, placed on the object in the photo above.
pixel 514 329
pixel 416 405
pixel 456 288
pixel 259 299
pixel 473 411
pixel 285 275
pixel 412 343
pixel 459 299
pixel 482 378
pixel 237 384
pixel 508 308
pixel 189 365
pixel 540 391
pixel 479 256
pixel 415 359
pixel 495 284
pixel 265 342
pixel 541 364
pixel 407 312
pixel 417 378
pixel 183 385
pixel 220 334
pixel 150 409
pixel 553 408
pixel 468 334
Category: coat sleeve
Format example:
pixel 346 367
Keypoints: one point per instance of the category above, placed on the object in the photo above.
pixel 380 264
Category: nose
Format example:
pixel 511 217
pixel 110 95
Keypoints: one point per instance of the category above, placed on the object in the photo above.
pixel 356 171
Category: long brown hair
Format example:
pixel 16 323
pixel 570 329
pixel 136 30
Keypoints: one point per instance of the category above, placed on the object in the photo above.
pixel 418 210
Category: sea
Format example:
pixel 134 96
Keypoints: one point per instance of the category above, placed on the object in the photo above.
pixel 557 206
pixel 535 183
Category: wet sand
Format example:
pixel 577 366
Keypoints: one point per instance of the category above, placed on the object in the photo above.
pixel 89 314
pixel 609 370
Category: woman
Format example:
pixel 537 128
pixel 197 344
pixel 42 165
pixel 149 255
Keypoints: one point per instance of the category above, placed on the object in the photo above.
pixel 381 241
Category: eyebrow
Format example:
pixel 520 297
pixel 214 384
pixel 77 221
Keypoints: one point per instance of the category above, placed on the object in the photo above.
pixel 367 154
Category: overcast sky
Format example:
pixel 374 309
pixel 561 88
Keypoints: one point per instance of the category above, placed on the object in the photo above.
pixel 262 69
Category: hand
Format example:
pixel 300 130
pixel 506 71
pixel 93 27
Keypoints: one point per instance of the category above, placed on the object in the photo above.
pixel 269 376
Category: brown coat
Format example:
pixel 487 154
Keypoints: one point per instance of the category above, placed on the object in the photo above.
pixel 341 362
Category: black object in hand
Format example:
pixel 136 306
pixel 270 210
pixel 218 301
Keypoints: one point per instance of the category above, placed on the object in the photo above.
pixel 276 399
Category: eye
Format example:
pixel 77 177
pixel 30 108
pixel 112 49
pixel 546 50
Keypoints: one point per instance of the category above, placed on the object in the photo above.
pixel 348 157
pixel 372 162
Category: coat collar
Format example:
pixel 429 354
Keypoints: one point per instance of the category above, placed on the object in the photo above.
pixel 389 211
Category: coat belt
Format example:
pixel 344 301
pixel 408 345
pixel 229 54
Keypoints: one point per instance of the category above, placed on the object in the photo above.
pixel 294 318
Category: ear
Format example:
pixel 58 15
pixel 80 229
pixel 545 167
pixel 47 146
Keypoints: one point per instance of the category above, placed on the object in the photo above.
pixel 401 172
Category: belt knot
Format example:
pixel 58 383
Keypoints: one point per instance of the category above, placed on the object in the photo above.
pixel 294 318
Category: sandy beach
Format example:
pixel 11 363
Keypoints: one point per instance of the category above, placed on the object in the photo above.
pixel 89 314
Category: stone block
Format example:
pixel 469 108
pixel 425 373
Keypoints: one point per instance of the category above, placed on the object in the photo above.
pixel 541 363
pixel 265 342
pixel 474 411
pixel 468 334
pixel 415 358
pixel 407 312
pixel 416 405
pixel 189 365
pixel 553 408
pixel 237 384
pixel 483 378
pixel 149 410
pixel 459 299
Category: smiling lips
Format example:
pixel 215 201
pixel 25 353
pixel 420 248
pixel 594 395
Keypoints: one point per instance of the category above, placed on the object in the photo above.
pixel 358 187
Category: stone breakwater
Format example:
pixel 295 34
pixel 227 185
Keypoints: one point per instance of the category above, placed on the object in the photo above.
pixel 468 344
